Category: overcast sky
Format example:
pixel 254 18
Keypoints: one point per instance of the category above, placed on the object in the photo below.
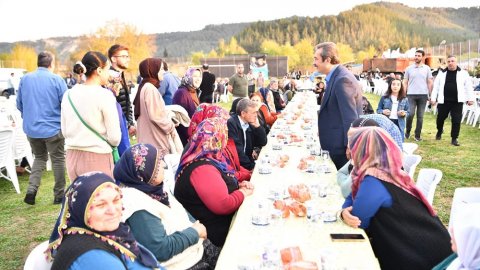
pixel 37 19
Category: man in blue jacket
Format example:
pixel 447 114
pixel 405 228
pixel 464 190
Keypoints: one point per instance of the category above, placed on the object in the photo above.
pixel 341 103
pixel 39 98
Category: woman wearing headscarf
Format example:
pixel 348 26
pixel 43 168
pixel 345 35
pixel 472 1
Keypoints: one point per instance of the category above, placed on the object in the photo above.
pixel 465 233
pixel 88 233
pixel 205 111
pixel 187 97
pixel 205 185
pixel 403 228
pixel 153 124
pixel 96 106
pixel 158 221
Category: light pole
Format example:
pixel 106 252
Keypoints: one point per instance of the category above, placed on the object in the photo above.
pixel 444 42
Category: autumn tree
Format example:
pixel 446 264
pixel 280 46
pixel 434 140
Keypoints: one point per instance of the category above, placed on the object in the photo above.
pixel 304 50
pixel 140 46
pixel 22 56
pixel 368 53
pixel 197 57
pixel 345 53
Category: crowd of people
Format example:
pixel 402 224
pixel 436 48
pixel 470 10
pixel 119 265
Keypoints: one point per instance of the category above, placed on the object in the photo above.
pixel 119 213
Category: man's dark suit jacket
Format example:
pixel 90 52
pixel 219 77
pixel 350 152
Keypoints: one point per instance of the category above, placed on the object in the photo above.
pixel 207 85
pixel 256 137
pixel 341 104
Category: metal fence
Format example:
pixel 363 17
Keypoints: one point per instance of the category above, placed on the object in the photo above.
pixel 467 52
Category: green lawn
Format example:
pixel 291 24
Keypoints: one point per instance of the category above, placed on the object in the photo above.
pixel 23 226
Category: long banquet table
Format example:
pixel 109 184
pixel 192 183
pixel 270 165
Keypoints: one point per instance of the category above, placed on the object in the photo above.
pixel 250 246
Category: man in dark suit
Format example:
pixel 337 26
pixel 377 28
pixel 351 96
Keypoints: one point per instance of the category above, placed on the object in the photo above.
pixel 246 132
pixel 341 104
pixel 207 86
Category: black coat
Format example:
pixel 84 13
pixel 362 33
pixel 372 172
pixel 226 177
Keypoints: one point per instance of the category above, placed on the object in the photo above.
pixel 123 99
pixel 256 137
pixel 207 86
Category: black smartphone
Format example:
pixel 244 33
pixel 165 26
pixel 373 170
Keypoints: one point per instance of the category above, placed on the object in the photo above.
pixel 347 237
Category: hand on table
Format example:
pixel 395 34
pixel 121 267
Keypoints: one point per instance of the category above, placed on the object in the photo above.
pixel 350 219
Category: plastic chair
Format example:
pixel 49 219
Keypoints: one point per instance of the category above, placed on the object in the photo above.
pixel 21 147
pixel 410 163
pixel 427 182
pixel 409 148
pixel 36 260
pixel 172 161
pixel 6 157
pixel 462 197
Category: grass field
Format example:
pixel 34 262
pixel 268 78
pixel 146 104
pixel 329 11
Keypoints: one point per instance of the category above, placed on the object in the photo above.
pixel 22 226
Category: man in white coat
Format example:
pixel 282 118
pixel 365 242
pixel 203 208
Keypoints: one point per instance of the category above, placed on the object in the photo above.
pixel 451 89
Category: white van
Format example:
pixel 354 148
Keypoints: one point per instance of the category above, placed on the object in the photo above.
pixel 5 77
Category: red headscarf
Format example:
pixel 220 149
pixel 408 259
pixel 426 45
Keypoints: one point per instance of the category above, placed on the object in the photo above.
pixel 375 153
pixel 208 142
pixel 203 112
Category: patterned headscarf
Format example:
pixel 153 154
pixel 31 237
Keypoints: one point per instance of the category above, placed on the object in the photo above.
pixel 138 166
pixel 74 218
pixel 187 80
pixel 149 69
pixel 375 153
pixel 208 142
pixel 203 112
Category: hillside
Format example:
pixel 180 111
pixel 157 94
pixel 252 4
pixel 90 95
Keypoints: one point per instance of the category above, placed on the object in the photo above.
pixel 380 24
pixel 177 44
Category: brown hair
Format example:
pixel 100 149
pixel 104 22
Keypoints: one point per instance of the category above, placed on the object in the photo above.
pixel 114 49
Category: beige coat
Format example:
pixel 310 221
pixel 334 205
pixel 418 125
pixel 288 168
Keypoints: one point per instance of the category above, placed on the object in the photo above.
pixel 154 126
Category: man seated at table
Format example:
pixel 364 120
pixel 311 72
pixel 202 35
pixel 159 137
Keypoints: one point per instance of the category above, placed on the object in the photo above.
pixel 245 130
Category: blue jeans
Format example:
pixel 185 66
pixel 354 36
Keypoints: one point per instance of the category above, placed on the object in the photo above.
pixel 417 103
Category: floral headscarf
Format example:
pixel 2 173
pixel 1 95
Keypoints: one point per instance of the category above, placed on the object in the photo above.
pixel 375 153
pixel 139 165
pixel 187 80
pixel 203 112
pixel 74 218
pixel 208 142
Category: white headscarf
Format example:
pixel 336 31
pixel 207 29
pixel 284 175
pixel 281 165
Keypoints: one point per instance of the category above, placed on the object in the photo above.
pixel 466 232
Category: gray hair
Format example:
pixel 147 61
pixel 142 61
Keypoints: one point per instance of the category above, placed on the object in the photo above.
pixel 329 50
pixel 45 59
pixel 243 104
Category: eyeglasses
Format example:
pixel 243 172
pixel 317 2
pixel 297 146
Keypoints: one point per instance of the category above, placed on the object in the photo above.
pixel 122 56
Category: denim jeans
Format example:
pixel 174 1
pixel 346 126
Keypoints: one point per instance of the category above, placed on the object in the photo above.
pixel 41 148
pixel 417 104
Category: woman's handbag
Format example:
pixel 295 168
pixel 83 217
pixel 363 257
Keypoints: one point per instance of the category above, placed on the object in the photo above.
pixel 115 154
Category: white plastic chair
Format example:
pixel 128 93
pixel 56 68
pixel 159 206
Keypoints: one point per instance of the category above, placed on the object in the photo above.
pixel 36 260
pixel 427 182
pixel 21 147
pixel 409 148
pixel 172 161
pixel 410 163
pixel 462 197
pixel 6 157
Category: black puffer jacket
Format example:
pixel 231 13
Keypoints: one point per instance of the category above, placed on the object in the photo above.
pixel 123 99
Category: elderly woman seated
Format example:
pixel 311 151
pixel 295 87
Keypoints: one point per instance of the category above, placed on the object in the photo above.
pixel 404 229
pixel 88 233
pixel 205 185
pixel 205 111
pixel 158 221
